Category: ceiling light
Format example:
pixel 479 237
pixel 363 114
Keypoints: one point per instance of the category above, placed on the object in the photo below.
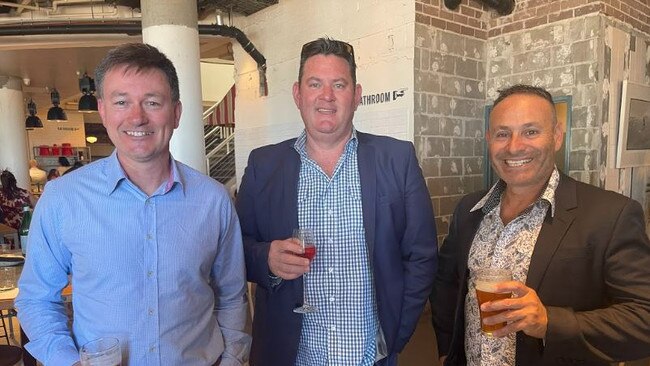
pixel 91 139
pixel 56 113
pixel 32 120
pixel 88 102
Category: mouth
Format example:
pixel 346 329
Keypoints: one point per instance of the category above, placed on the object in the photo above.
pixel 138 133
pixel 516 163
pixel 325 110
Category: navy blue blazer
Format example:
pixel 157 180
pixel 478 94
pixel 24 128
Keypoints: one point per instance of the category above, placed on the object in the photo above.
pixel 400 234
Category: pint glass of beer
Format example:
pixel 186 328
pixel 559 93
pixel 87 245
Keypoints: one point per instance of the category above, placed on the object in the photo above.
pixel 486 279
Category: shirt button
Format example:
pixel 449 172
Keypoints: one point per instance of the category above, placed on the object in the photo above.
pixel 331 212
pixel 331 270
pixel 149 236
pixel 332 299
pixel 333 328
pixel 152 349
pixel 150 274
pixel 150 311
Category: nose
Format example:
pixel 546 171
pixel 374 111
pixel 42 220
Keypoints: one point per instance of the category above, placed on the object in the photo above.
pixel 515 144
pixel 136 115
pixel 328 93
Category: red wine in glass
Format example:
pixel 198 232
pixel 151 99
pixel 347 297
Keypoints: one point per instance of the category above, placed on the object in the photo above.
pixel 307 240
pixel 309 253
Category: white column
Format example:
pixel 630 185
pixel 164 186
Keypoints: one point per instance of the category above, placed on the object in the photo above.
pixel 13 136
pixel 172 27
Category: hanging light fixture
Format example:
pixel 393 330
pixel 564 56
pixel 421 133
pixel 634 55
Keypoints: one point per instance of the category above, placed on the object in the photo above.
pixel 56 113
pixel 32 120
pixel 88 102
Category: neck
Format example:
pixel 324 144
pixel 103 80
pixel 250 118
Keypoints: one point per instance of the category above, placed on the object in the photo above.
pixel 514 201
pixel 326 153
pixel 147 176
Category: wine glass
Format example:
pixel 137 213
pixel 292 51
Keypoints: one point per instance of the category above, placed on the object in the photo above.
pixel 306 238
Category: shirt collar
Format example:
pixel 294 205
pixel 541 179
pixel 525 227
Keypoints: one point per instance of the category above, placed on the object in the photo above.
pixel 493 197
pixel 115 174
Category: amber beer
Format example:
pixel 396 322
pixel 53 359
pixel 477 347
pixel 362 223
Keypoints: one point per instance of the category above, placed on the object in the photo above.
pixel 486 279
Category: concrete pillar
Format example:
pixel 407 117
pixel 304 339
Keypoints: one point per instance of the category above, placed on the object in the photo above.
pixel 172 27
pixel 13 136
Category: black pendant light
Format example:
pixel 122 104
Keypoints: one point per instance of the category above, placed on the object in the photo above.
pixel 88 102
pixel 56 113
pixel 32 120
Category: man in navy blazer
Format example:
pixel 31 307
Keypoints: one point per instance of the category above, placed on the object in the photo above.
pixel 370 282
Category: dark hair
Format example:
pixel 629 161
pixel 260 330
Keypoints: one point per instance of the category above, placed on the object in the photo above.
pixel 9 184
pixel 63 161
pixel 76 166
pixel 138 56
pixel 526 90
pixel 53 173
pixel 328 46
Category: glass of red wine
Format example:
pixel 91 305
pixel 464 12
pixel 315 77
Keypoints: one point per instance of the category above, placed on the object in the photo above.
pixel 306 239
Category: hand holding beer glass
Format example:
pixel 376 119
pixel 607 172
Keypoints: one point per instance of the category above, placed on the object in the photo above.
pixel 486 279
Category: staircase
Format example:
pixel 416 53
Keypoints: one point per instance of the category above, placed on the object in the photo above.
pixel 219 149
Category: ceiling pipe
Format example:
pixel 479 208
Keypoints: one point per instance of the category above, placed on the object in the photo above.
pixel 503 7
pixel 135 28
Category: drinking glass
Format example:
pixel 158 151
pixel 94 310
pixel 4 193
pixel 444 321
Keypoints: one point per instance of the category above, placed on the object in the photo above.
pixel 103 351
pixel 306 238
pixel 7 278
pixel 486 279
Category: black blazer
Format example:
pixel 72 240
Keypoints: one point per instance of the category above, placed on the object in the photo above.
pixel 400 234
pixel 590 268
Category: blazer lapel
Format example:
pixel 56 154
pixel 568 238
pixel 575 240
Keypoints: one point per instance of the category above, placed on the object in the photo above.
pixel 289 179
pixel 552 232
pixel 368 178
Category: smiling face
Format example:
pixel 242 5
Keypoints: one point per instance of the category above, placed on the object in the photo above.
pixel 522 141
pixel 327 98
pixel 139 114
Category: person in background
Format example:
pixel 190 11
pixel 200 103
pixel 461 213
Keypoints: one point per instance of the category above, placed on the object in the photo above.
pixel 52 174
pixel 579 255
pixel 157 260
pixel 64 165
pixel 37 175
pixel 74 167
pixel 13 199
pixel 366 200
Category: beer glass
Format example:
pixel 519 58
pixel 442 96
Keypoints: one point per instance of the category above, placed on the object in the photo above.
pixel 306 238
pixel 103 351
pixel 486 279
pixel 7 278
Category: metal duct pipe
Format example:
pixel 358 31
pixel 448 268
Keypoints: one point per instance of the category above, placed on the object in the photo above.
pixel 503 7
pixel 129 28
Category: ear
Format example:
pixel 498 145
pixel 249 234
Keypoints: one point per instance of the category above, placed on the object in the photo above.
pixel 296 94
pixel 558 135
pixel 178 109
pixel 101 108
pixel 357 95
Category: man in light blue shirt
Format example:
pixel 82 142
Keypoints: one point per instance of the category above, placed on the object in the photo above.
pixel 153 248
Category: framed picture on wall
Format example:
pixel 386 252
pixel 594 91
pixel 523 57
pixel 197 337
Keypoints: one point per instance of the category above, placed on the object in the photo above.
pixel 563 111
pixel 633 147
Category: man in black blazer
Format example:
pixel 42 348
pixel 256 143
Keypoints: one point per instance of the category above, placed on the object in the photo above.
pixel 580 256
pixel 367 201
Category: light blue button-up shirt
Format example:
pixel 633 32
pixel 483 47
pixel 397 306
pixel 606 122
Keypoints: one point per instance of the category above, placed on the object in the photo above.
pixel 162 273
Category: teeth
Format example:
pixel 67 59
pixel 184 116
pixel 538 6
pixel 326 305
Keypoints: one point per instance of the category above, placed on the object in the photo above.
pixel 138 133
pixel 516 163
pixel 323 110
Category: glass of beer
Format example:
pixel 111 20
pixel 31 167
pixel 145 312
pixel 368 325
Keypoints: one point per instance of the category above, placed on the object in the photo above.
pixel 103 351
pixel 308 242
pixel 486 279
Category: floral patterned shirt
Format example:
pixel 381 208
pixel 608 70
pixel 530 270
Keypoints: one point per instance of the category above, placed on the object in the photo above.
pixel 12 208
pixel 501 246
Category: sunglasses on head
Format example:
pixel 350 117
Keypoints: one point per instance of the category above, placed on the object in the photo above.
pixel 346 47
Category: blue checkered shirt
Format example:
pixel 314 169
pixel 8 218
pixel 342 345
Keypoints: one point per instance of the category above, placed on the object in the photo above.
pixel 340 282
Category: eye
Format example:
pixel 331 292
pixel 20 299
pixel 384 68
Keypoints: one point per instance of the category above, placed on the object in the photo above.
pixel 314 84
pixel 152 103
pixel 119 103
pixel 501 134
pixel 339 85
pixel 531 132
